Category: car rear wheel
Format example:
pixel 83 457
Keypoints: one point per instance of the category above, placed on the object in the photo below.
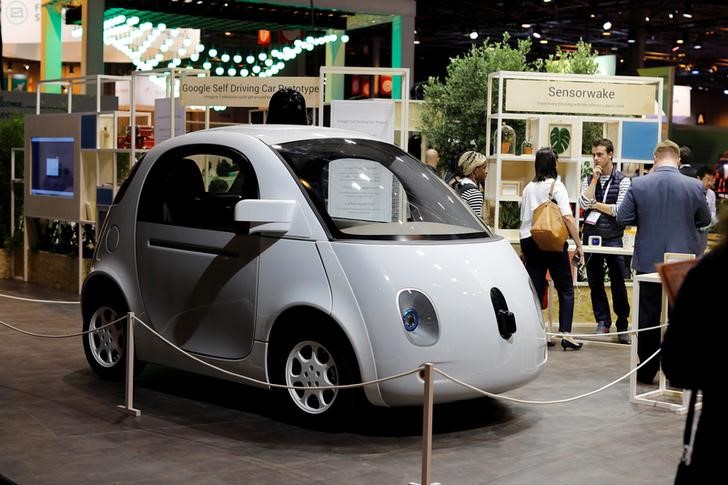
pixel 307 362
pixel 105 349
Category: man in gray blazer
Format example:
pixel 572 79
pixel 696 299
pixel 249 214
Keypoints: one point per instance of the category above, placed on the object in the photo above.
pixel 668 209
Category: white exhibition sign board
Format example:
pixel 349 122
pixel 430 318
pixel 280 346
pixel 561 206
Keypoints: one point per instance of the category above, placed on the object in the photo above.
pixel 360 190
pixel 373 117
pixel 681 101
pixel 163 120
pixel 146 91
pixel 244 92
pixel 21 22
pixel 574 97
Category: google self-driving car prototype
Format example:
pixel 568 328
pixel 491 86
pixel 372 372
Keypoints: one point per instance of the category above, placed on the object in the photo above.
pixel 309 256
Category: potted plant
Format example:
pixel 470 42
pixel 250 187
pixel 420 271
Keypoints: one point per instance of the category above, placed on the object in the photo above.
pixel 508 139
pixel 526 148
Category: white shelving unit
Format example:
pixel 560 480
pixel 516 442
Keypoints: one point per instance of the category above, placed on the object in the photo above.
pixel 512 171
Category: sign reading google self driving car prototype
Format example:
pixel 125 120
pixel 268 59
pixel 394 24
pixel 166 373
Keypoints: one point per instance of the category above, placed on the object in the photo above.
pixel 244 92
pixel 580 97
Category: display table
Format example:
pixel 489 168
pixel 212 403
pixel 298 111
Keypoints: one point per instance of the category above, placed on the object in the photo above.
pixel 651 398
pixel 608 250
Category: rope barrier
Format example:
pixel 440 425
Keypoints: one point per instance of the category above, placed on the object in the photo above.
pixel 70 335
pixel 270 384
pixel 35 300
pixel 341 386
pixel 555 401
pixel 622 332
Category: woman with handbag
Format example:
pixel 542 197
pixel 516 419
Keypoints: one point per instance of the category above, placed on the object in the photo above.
pixel 546 222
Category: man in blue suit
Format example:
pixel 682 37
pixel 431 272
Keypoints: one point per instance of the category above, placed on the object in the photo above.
pixel 667 209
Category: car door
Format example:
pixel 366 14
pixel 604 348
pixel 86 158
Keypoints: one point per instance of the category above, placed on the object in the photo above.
pixel 197 270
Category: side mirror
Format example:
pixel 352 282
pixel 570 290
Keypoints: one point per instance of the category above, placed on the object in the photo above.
pixel 270 217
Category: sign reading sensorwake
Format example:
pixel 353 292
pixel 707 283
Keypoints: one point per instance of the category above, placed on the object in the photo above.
pixel 246 92
pixel 571 97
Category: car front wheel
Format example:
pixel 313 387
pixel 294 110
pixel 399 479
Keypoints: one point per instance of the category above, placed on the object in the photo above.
pixel 105 349
pixel 312 361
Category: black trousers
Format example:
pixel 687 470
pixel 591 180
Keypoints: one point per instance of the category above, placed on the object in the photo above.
pixel 648 342
pixel 559 267
pixel 599 300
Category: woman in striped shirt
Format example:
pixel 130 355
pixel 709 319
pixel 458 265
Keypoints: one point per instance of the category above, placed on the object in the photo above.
pixel 473 167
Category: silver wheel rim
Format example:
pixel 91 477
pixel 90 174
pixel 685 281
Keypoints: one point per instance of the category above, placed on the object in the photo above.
pixel 310 364
pixel 107 345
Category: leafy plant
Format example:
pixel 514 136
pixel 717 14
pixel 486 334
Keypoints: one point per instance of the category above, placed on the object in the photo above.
pixel 11 136
pixel 510 215
pixel 591 130
pixel 560 139
pixel 455 110
pixel 582 60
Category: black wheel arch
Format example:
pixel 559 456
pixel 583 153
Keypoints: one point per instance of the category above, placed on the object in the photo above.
pixel 300 319
pixel 99 287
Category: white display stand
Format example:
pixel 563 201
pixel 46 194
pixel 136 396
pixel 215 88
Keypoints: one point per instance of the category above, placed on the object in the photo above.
pixel 651 398
pixel 88 175
pixel 509 172
pixel 172 77
pixel 401 105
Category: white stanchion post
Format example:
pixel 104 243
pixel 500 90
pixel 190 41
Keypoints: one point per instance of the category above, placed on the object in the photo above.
pixel 128 406
pixel 427 427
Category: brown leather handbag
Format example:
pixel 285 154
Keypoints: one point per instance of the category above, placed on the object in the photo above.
pixel 548 229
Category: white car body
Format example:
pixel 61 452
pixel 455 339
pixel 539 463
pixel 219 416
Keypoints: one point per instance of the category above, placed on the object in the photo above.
pixel 290 262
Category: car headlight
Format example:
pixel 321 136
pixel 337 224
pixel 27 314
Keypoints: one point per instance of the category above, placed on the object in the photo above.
pixel 419 318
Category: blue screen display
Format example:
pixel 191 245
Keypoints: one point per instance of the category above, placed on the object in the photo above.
pixel 52 166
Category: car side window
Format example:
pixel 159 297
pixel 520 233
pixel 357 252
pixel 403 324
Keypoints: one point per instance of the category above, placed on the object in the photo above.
pixel 197 186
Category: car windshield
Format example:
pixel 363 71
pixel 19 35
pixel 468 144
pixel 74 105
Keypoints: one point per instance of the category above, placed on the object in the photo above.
pixel 366 189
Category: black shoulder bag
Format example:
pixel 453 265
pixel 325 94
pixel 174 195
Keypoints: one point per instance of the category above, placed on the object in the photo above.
pixel 684 471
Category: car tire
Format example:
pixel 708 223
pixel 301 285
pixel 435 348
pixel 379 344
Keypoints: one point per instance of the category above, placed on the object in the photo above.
pixel 314 359
pixel 106 349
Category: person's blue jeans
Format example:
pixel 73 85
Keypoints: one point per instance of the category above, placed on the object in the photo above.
pixel 559 267
pixel 595 276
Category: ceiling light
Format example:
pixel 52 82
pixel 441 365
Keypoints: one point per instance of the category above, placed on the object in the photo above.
pixel 688 12
pixel 670 16
pixel 679 41
pixel 207 65
pixel 607 25
pixel 526 26
pixel 725 91
pixel 416 42
pixel 631 41
pixel 473 35
pixel 225 57
pixel 676 48
pixel 344 38
pixel 543 41
pixel 244 72
pixel 250 59
pixel 219 71
pixel 694 72
pixel 237 58
pixel 262 56
pixel 606 33
pixel 232 71
pixel 647 19
pixel 212 52
pixel 592 15
pixel 256 69
pixel 536 34
pixel 228 34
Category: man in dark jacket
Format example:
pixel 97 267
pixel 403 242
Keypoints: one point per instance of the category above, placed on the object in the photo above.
pixel 668 209
pixel 601 195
